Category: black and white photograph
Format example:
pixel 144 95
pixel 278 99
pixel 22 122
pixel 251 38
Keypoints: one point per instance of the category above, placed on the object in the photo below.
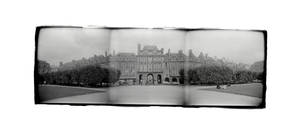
pixel 150 66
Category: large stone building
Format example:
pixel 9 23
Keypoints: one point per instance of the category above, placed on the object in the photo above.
pixel 151 65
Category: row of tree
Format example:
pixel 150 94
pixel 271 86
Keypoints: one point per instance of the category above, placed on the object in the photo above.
pixel 91 76
pixel 210 75
pixel 43 67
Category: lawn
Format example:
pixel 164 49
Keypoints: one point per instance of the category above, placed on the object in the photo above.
pixel 47 92
pixel 252 89
pixel 147 94
pixel 240 94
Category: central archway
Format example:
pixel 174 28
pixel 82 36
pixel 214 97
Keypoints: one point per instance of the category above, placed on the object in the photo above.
pixel 159 79
pixel 174 79
pixel 150 79
pixel 140 79
pixel 167 79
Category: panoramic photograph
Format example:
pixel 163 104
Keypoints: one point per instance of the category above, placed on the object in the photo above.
pixel 143 67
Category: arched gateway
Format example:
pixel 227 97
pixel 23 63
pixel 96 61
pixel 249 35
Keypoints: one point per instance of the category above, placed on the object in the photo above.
pixel 140 79
pixel 150 79
pixel 151 65
pixel 159 79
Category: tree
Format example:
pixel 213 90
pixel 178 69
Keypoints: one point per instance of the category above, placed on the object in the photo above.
pixel 91 76
pixel 111 75
pixel 257 67
pixel 75 77
pixel 43 68
pixel 182 76
pixel 260 76
pixel 244 76
pixel 208 75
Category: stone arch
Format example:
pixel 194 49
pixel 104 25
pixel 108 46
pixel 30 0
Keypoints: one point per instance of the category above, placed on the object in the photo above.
pixel 174 79
pixel 159 80
pixel 167 79
pixel 150 79
pixel 140 79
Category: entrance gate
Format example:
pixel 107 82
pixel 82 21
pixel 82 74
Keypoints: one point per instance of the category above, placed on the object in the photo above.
pixel 159 79
pixel 150 79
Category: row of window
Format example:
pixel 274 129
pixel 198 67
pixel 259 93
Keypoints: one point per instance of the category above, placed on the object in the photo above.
pixel 150 59
pixel 150 68
pixel 174 68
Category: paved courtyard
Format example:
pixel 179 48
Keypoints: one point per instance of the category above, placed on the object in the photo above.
pixel 237 95
pixel 155 94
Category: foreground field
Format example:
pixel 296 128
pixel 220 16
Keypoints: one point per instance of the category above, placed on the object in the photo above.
pixel 48 92
pixel 252 89
pixel 213 98
pixel 158 95
pixel 236 95
pixel 93 98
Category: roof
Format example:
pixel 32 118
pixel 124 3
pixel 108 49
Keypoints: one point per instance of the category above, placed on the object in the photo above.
pixel 126 54
pixel 150 47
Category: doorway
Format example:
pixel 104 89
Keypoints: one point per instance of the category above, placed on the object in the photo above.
pixel 159 79
pixel 141 79
pixel 150 79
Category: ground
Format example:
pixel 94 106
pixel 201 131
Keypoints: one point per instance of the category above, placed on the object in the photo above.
pixel 48 92
pixel 237 95
pixel 147 94
pixel 251 89
pixel 242 94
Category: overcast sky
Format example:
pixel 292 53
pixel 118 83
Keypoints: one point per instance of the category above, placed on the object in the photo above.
pixel 66 44
pixel 239 46
pixel 128 39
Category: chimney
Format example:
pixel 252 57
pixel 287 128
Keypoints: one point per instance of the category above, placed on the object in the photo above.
pixel 201 55
pixel 190 52
pixel 139 48
pixel 180 52
pixel 60 64
pixel 105 53
pixel 114 53
pixel 162 50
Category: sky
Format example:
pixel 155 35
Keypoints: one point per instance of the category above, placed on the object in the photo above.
pixel 127 40
pixel 237 46
pixel 66 44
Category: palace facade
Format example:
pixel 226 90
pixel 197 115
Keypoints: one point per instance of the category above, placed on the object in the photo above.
pixel 151 65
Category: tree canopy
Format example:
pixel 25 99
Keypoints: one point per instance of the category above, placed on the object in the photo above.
pixel 92 75
pixel 207 75
pixel 43 67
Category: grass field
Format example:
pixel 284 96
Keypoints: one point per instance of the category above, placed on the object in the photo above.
pixel 240 94
pixel 48 92
pixel 253 89
pixel 147 94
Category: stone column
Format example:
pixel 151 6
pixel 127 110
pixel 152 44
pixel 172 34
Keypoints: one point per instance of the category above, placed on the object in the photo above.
pixel 155 79
pixel 144 79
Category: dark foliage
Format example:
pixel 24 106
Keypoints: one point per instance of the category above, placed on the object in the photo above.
pixel 90 76
pixel 244 76
pixel 43 67
pixel 216 75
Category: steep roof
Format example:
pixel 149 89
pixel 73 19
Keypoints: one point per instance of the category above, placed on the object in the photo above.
pixel 150 47
pixel 126 54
